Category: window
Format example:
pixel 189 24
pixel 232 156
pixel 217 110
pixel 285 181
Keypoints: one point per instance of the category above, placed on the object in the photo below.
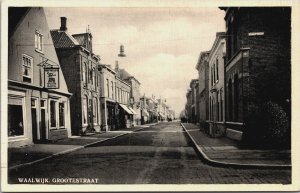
pixel 38 41
pixel 217 66
pixel 217 106
pixel 61 108
pixel 27 63
pixel 15 117
pixel 116 92
pixel 211 75
pixel 43 103
pixel 94 78
pixel 95 111
pixel 107 87
pixel 221 105
pixel 84 108
pixel 214 73
pixel 53 113
pixel 84 71
pixel 91 75
pixel 112 89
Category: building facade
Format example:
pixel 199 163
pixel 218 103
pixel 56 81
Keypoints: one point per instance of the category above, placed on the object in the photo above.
pixel 203 88
pixel 80 68
pixel 194 114
pixel 134 96
pixel 257 67
pixel 152 105
pixel 188 106
pixel 115 99
pixel 38 96
pixel 216 86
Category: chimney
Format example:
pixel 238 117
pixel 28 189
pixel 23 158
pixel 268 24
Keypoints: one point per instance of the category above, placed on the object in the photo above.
pixel 63 24
pixel 117 66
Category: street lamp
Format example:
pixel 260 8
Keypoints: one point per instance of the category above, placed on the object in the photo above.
pixel 122 54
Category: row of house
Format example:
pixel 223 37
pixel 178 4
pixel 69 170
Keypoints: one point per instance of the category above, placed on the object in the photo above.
pixel 57 86
pixel 244 80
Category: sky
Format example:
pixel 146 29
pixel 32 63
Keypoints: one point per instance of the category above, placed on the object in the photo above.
pixel 162 45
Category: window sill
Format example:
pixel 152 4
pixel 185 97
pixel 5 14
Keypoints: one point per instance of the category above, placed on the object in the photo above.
pixel 17 138
pixel 39 51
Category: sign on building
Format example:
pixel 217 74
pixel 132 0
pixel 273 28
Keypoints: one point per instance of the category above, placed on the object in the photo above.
pixel 51 77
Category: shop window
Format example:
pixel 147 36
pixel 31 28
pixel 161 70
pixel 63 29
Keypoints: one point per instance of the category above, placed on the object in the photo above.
pixel 38 42
pixel 15 117
pixel 27 63
pixel 53 114
pixel 61 108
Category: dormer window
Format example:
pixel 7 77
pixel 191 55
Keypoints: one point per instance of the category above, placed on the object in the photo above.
pixel 38 42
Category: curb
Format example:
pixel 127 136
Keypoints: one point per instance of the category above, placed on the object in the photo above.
pixel 68 151
pixel 212 162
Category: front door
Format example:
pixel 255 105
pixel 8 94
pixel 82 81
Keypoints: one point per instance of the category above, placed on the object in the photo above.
pixel 34 120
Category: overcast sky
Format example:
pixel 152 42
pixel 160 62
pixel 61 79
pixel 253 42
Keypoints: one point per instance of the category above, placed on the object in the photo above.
pixel 162 44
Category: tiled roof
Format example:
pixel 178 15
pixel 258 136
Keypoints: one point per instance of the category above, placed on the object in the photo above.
pixel 123 74
pixel 62 39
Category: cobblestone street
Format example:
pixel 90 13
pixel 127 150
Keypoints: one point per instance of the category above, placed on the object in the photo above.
pixel 160 154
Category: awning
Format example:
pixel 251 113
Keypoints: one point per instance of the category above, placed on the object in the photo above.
pixel 132 110
pixel 126 109
pixel 145 113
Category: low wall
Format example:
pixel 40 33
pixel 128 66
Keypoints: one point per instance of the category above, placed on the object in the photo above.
pixel 58 134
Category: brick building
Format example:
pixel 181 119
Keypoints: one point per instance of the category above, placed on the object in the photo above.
pixel 203 88
pixel 38 96
pixel 216 86
pixel 257 66
pixel 80 68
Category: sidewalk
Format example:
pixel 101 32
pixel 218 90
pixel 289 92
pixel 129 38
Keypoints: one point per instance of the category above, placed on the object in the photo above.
pixel 27 155
pixel 227 151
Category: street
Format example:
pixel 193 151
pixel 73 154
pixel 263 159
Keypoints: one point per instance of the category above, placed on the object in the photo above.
pixel 160 154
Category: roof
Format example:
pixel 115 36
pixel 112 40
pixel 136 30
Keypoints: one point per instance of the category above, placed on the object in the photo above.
pixel 62 39
pixel 15 15
pixel 124 75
